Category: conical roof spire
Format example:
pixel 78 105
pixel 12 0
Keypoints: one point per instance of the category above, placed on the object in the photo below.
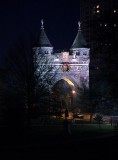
pixel 79 24
pixel 43 39
pixel 79 41
pixel 42 27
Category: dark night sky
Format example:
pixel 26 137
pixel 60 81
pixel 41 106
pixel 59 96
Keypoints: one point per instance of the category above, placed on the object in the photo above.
pixel 17 17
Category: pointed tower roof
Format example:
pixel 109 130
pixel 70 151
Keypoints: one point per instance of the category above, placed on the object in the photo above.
pixel 79 41
pixel 43 39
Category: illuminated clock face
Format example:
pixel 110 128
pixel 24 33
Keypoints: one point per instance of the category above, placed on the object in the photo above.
pixel 66 67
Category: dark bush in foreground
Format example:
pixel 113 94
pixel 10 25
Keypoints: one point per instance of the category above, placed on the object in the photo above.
pixel 13 112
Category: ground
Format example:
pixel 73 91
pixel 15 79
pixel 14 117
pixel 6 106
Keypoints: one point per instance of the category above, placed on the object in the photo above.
pixel 50 142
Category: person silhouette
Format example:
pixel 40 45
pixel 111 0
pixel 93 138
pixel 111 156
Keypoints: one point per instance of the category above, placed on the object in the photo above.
pixel 66 124
pixel 66 113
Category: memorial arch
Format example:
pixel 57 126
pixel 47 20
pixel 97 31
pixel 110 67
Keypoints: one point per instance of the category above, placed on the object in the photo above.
pixel 72 66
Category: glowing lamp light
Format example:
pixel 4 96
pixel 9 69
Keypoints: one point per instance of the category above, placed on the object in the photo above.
pixel 73 92
pixel 74 60
pixel 56 59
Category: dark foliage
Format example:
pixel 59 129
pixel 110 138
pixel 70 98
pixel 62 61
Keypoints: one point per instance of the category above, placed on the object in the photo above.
pixel 28 76
pixel 13 111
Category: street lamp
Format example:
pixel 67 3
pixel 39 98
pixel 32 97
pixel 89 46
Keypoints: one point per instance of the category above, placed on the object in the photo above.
pixel 73 91
pixel 73 100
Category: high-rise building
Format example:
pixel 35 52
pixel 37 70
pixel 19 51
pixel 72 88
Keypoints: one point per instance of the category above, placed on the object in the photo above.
pixel 99 20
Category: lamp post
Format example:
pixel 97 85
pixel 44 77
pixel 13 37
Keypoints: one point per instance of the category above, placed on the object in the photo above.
pixel 73 100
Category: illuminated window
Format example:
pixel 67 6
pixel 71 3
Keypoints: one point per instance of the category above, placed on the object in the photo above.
pixel 114 11
pixel 98 11
pixel 97 6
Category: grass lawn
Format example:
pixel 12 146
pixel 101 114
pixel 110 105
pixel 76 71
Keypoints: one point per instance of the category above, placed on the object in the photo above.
pixel 91 129
pixel 81 128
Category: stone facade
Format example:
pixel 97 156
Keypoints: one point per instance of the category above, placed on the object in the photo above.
pixel 72 66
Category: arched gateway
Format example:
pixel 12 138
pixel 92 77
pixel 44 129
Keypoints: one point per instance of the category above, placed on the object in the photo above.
pixel 71 66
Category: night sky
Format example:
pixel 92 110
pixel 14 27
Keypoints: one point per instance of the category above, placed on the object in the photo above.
pixel 23 17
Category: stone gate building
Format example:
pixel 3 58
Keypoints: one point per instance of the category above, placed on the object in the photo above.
pixel 72 65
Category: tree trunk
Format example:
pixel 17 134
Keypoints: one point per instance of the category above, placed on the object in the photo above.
pixel 29 116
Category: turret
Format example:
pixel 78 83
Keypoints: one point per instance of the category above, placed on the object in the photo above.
pixel 44 45
pixel 79 46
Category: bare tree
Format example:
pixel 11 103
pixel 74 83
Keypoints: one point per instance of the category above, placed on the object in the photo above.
pixel 30 74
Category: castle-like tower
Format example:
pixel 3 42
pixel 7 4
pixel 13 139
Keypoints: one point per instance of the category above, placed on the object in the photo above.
pixel 72 66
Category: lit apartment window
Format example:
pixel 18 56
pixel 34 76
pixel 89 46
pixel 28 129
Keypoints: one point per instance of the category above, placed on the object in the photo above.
pixel 98 6
pixel 114 11
pixel 98 11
